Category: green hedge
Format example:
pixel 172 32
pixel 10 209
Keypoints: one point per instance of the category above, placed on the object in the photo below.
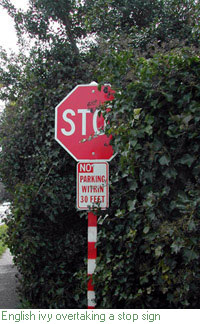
pixel 3 231
pixel 47 236
pixel 149 241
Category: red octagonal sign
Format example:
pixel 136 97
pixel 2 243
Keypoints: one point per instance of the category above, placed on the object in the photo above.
pixel 78 126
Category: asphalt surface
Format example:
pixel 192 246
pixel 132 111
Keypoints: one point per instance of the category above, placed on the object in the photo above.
pixel 8 283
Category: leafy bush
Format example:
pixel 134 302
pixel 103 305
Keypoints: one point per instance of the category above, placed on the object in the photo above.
pixel 46 234
pixel 149 242
pixel 3 231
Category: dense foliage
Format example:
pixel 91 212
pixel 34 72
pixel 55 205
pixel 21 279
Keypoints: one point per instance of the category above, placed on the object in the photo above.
pixel 142 22
pixel 46 234
pixel 148 247
pixel 3 231
pixel 149 243
pixel 3 194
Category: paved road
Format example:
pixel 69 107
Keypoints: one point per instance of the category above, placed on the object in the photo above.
pixel 8 282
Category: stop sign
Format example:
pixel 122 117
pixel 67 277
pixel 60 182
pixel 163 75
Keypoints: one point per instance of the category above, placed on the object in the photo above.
pixel 78 126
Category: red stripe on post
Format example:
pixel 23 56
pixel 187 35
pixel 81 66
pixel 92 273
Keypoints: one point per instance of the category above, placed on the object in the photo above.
pixel 90 284
pixel 92 219
pixel 92 251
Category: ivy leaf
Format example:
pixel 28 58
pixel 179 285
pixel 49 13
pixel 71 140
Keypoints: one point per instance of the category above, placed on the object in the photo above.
pixel 164 160
pixel 60 291
pixel 169 97
pixel 158 251
pixel 131 205
pixel 144 279
pixel 146 229
pixel 187 119
pixel 186 159
pixel 190 255
pixel 191 226
pixel 170 173
pixel 133 185
pixel 177 245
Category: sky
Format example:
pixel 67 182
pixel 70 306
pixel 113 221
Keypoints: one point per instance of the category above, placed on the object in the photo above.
pixel 8 39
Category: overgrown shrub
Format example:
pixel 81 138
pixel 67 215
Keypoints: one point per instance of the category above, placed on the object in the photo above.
pixel 47 236
pixel 3 231
pixel 149 241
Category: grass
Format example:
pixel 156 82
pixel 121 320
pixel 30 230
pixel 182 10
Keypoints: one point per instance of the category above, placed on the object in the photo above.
pixel 3 230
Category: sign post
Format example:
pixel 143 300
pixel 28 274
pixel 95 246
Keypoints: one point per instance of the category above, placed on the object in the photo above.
pixel 92 255
pixel 79 129
pixel 92 192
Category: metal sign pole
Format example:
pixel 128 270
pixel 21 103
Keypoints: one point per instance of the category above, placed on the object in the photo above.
pixel 92 254
pixel 92 188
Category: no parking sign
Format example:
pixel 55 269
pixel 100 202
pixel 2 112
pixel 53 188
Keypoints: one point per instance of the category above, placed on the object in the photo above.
pixel 92 185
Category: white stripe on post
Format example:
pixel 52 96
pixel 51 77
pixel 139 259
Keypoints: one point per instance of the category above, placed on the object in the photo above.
pixel 92 234
pixel 91 266
pixel 91 299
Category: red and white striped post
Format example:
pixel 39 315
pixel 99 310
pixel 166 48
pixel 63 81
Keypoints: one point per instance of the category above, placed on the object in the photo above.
pixel 92 254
